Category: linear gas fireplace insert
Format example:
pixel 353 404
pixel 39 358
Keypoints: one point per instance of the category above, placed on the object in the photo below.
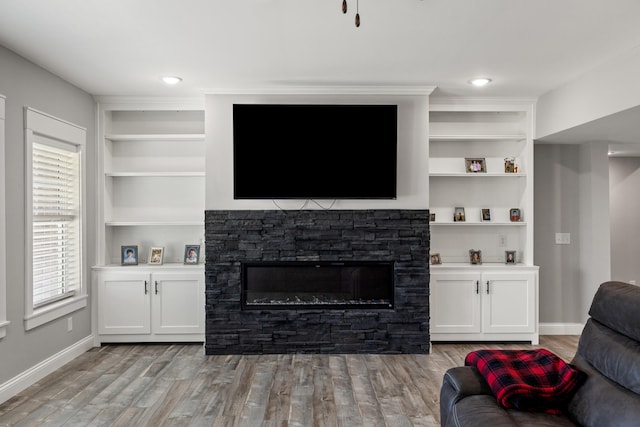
pixel 307 284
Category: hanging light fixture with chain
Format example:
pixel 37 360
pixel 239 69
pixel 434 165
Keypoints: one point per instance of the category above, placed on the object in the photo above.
pixel 344 10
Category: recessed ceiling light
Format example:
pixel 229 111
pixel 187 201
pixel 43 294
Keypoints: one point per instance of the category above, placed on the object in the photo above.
pixel 171 80
pixel 481 81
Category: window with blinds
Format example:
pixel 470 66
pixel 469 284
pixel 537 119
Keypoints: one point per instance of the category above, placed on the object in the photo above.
pixel 56 222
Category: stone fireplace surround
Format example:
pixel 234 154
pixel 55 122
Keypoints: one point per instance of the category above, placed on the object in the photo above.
pixel 233 237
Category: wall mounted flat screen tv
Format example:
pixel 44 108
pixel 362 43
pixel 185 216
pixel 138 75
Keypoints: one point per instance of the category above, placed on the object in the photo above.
pixel 287 151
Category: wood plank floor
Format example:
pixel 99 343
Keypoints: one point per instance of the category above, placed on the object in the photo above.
pixel 177 385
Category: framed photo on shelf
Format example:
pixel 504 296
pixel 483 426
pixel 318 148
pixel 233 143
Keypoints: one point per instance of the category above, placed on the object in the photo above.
pixel 485 215
pixel 475 165
pixel 435 259
pixel 515 215
pixel 458 214
pixel 510 257
pixel 156 255
pixel 475 257
pixel 509 165
pixel 432 217
pixel 129 255
pixel 191 254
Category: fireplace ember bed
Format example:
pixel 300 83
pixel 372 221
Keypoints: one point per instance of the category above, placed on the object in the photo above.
pixel 327 285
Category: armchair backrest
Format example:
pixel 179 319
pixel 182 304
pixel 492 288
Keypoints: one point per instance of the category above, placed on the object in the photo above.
pixel 609 352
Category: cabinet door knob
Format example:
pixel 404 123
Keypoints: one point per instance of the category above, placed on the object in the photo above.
pixel 487 286
pixel 156 287
pixel 146 289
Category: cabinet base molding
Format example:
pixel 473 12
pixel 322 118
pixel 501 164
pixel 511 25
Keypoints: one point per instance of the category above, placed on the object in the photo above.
pixel 107 339
pixel 534 339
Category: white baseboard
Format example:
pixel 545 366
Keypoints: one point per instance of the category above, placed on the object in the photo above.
pixel 44 368
pixel 560 328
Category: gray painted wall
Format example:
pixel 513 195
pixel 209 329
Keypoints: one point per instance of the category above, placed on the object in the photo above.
pixel 594 236
pixel 556 181
pixel 571 196
pixel 624 193
pixel 25 84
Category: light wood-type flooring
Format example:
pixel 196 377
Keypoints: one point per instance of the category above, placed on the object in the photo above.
pixel 177 385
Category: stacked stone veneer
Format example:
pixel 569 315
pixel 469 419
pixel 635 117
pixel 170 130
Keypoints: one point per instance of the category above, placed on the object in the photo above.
pixel 317 235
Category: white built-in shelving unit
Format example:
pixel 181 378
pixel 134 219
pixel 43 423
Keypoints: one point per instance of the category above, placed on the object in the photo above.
pixel 495 300
pixel 151 181
pixel 491 132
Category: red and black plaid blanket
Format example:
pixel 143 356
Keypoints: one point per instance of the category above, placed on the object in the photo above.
pixel 531 380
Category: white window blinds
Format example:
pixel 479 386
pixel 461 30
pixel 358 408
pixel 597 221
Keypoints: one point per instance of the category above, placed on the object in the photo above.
pixel 56 221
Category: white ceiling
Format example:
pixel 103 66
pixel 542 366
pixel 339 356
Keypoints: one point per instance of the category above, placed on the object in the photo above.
pixel 123 47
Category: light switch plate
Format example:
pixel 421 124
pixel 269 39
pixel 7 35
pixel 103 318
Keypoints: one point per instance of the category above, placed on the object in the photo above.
pixel 563 238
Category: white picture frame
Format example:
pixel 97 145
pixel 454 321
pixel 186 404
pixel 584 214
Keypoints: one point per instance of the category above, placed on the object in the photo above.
pixel 156 255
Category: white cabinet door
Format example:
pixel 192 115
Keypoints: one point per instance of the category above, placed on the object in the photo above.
pixel 124 305
pixel 455 303
pixel 509 302
pixel 178 302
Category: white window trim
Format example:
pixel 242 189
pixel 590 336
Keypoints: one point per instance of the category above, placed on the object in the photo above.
pixel 41 124
pixel 3 255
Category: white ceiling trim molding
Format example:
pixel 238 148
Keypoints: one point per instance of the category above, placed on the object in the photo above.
pixel 150 102
pixel 463 103
pixel 421 90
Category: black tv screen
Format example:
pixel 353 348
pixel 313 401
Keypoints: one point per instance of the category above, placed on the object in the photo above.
pixel 287 151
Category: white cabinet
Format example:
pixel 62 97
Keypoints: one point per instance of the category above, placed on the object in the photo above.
pixel 509 302
pixel 150 304
pixel 455 303
pixel 124 302
pixel 484 304
pixel 177 303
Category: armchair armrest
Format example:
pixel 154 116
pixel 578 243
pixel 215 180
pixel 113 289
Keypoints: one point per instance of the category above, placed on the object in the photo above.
pixel 457 384
pixel 466 381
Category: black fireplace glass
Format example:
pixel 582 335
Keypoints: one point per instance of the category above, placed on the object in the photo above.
pixel 302 284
